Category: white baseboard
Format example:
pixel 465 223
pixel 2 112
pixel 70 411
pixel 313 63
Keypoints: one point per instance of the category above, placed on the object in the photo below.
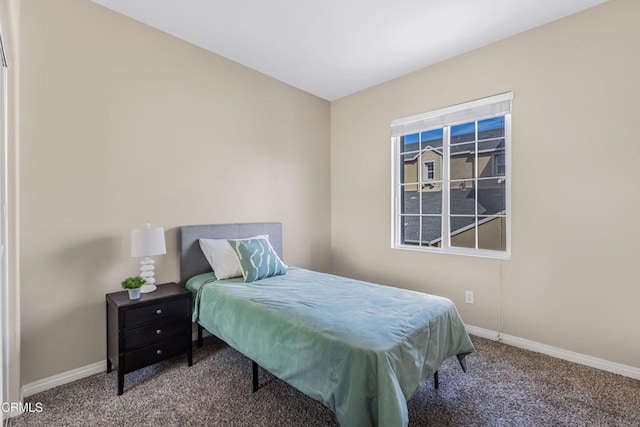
pixel 12 414
pixel 594 362
pixel 72 375
pixel 482 333
pixel 582 359
pixel 63 378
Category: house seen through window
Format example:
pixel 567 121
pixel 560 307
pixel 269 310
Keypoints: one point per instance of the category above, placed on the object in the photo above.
pixel 451 183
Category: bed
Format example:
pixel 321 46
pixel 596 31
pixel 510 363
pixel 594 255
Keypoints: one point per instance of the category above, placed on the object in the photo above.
pixel 361 349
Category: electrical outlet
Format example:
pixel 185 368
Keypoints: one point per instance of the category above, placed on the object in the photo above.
pixel 468 297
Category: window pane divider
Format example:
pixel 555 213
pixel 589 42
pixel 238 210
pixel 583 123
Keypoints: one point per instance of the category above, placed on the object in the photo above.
pixel 475 184
pixel 445 188
pixel 419 190
pixel 497 138
pixel 507 177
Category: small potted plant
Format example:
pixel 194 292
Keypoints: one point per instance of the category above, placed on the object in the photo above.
pixel 133 284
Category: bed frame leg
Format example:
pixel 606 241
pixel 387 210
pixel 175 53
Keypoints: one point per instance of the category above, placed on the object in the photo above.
pixel 435 379
pixel 254 373
pixel 200 329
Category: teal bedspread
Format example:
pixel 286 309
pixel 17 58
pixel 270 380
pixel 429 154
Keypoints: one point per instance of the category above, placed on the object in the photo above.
pixel 361 349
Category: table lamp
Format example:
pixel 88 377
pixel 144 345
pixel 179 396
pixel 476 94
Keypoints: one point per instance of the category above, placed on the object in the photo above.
pixel 147 242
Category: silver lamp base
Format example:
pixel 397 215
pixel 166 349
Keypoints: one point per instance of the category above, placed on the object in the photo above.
pixel 145 289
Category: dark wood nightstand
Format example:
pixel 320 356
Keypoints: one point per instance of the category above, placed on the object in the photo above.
pixel 145 331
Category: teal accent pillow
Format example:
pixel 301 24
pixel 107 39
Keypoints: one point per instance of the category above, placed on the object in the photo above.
pixel 258 259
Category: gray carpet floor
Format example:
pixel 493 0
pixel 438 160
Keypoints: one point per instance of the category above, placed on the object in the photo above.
pixel 504 386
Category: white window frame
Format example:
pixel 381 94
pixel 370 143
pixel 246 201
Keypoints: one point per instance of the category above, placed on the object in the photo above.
pixel 493 106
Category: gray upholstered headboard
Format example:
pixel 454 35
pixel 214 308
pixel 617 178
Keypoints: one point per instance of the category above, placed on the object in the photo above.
pixel 193 262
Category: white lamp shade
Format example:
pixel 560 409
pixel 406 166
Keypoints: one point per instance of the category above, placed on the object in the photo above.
pixel 147 241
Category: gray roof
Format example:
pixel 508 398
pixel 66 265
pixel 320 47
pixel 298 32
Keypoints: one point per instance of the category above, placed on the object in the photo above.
pixel 462 201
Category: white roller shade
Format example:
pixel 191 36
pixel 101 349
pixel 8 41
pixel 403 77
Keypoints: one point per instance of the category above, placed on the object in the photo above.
pixel 496 105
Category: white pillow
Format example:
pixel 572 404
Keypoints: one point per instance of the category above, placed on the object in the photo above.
pixel 222 258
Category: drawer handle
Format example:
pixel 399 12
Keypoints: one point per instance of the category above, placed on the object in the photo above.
pixel 158 352
pixel 158 311
pixel 158 331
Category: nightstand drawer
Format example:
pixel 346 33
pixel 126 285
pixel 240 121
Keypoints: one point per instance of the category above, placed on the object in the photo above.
pixel 152 333
pixel 153 353
pixel 154 312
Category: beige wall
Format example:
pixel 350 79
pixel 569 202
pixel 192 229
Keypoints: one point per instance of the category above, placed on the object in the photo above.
pixel 121 125
pixel 576 90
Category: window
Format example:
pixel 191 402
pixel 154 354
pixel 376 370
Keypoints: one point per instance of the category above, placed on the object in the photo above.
pixel 498 164
pixel 428 170
pixel 451 179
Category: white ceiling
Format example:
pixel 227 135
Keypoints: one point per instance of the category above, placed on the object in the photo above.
pixel 332 48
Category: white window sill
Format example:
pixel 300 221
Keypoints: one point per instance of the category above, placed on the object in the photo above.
pixel 481 253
